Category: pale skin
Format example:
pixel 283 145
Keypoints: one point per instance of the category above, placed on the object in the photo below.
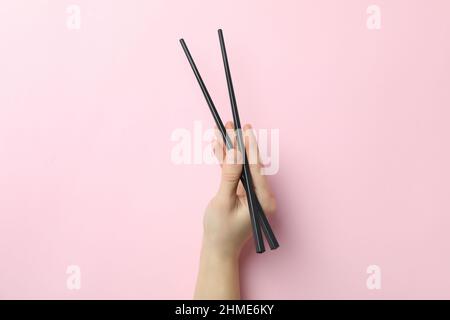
pixel 226 222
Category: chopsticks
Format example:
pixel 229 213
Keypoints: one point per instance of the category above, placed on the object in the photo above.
pixel 247 181
pixel 257 217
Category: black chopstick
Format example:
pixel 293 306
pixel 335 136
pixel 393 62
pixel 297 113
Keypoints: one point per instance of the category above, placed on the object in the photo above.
pixel 240 141
pixel 259 243
pixel 271 239
pixel 256 206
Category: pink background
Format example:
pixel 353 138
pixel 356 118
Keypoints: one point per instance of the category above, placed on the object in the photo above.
pixel 86 118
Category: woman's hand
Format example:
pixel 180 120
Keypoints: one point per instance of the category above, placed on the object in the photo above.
pixel 227 224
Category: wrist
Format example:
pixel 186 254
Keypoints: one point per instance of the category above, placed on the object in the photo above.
pixel 218 276
pixel 220 253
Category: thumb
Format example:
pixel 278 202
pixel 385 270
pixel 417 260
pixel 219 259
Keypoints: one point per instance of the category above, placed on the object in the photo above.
pixel 231 173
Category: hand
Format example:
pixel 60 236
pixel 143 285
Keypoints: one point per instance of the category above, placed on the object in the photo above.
pixel 227 223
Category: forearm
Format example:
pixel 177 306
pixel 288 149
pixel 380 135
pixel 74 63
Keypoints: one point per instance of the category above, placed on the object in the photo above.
pixel 218 276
